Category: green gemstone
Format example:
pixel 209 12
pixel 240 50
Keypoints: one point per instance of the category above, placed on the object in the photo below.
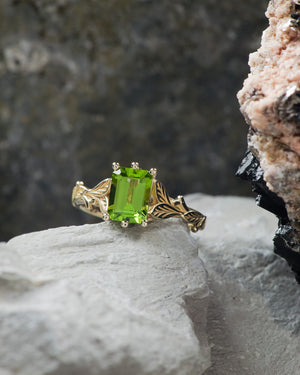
pixel 129 195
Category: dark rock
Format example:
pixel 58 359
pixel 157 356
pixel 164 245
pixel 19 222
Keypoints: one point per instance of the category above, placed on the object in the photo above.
pixel 286 243
pixel 86 83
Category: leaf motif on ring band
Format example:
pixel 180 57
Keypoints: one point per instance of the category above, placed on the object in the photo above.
pixel 161 193
pixel 93 201
pixel 164 211
pixel 167 207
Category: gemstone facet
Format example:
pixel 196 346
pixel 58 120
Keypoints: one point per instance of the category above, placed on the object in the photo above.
pixel 129 195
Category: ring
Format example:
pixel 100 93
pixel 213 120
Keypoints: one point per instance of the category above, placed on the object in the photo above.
pixel 133 195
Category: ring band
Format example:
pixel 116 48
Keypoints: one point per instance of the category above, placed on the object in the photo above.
pixel 133 195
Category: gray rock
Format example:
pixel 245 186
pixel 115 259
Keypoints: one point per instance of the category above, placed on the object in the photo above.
pixel 96 299
pixel 254 312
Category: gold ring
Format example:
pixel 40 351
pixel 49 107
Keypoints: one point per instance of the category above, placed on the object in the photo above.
pixel 133 195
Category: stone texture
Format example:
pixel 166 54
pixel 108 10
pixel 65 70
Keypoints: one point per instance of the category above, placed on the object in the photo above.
pixel 86 83
pixel 96 299
pixel 270 103
pixel 253 315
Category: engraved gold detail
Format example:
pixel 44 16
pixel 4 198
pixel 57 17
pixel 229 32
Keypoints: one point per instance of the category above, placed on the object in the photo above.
pixel 164 207
pixel 92 201
pixel 95 201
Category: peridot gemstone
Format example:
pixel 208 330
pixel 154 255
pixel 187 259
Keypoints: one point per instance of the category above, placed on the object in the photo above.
pixel 129 195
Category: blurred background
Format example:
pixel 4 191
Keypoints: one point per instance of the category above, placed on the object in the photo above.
pixel 86 83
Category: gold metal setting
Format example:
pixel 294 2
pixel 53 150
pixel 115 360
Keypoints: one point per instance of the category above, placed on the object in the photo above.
pixel 135 165
pixel 164 207
pixel 161 206
pixel 92 201
pixel 115 166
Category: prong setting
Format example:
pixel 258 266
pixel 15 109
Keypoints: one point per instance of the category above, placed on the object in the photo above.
pixel 144 223
pixel 153 171
pixel 105 217
pixel 115 166
pixel 150 203
pixel 124 223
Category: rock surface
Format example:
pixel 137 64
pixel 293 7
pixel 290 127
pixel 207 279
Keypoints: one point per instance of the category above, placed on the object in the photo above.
pixel 270 102
pixel 96 299
pixel 254 311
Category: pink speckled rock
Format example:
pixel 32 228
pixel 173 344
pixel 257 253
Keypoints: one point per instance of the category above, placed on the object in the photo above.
pixel 270 103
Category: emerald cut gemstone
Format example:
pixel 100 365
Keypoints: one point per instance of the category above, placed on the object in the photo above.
pixel 129 195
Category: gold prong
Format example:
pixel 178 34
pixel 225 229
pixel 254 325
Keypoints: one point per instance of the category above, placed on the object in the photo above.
pixel 79 183
pixel 115 166
pixel 153 171
pixel 135 165
pixel 124 223
pixel 144 223
pixel 106 217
